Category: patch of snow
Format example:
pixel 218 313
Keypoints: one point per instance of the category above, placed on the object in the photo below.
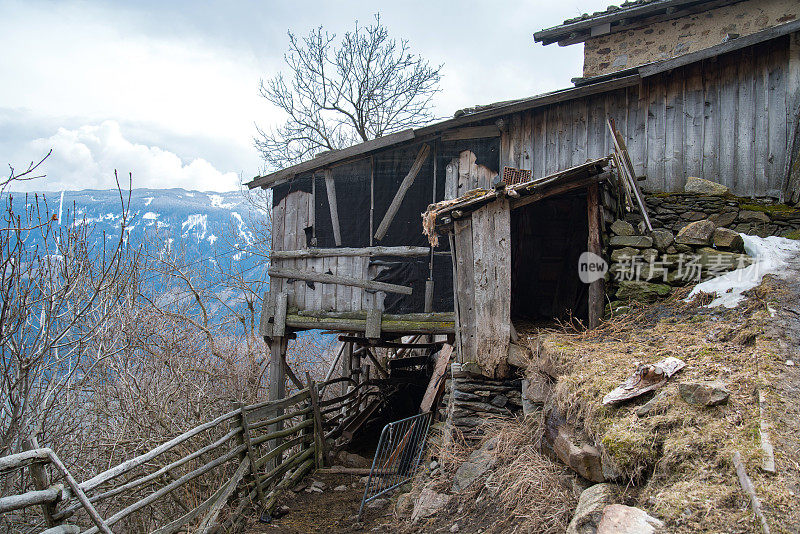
pixel 246 234
pixel 150 216
pixel 212 238
pixel 61 208
pixel 217 202
pixel 148 200
pixel 190 195
pixel 197 222
pixel 771 255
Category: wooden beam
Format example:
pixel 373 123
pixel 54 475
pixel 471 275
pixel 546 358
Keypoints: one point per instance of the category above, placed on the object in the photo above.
pixel 431 323
pixel 279 325
pixel 400 252
pixel 330 186
pixel 323 278
pixel 596 297
pixel 373 326
pixel 558 189
pixel 390 344
pixel 471 132
pixel 277 383
pixel 378 365
pixel 405 185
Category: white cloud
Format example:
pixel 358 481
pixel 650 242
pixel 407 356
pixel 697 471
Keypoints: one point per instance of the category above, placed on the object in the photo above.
pixel 86 157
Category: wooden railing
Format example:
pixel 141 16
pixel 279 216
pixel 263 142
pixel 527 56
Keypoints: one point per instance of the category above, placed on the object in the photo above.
pixel 264 448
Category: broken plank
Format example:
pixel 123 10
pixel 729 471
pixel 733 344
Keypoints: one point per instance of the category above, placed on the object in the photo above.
pixel 405 185
pixel 279 326
pixel 436 384
pixel 373 327
pixel 342 280
pixel 330 186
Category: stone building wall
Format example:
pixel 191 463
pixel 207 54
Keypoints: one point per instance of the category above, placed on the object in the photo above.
pixel 665 40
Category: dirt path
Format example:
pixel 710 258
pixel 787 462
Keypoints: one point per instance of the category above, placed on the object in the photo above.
pixel 782 395
pixel 328 512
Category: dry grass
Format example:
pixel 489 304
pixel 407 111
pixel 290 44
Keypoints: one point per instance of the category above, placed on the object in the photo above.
pixel 530 488
pixel 677 461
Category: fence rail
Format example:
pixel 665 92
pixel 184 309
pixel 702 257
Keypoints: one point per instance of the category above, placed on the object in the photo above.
pixel 264 448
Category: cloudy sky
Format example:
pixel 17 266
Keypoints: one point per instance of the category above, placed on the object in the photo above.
pixel 168 91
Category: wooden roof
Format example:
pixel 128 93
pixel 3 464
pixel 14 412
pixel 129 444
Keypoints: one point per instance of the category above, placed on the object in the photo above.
pixel 624 17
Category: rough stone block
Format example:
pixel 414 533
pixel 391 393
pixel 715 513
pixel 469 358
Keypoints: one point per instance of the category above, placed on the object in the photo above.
pixel 620 227
pixel 702 186
pixel 727 239
pixel 635 241
pixel 696 233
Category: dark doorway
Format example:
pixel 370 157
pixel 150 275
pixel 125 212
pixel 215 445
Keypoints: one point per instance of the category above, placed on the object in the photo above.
pixel 547 239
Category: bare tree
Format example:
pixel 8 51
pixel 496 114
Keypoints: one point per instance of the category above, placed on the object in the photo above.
pixel 338 93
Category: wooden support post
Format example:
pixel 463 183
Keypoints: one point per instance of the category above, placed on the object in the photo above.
pixel 457 328
pixel 41 481
pixel 267 313
pixel 319 430
pixel 429 295
pixel 371 198
pixel 277 387
pixel 596 296
pixel 244 438
pixel 406 184
pixel 281 305
pixel 347 364
pixel 373 327
pixel 330 186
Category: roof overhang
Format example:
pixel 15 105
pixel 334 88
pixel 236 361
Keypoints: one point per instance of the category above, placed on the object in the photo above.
pixel 624 18
pixel 407 137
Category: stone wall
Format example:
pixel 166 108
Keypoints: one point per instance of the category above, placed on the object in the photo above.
pixel 695 237
pixel 471 399
pixel 668 39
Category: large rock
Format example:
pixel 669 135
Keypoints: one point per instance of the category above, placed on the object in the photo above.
pixel 715 262
pixel 642 291
pixel 519 356
pixel 620 227
pixel 621 519
pixel 429 503
pixel 623 254
pixel 697 233
pixel 478 463
pixel 702 186
pixel 727 239
pixel 753 216
pixel 536 388
pixel 590 507
pixel 704 394
pixel 662 239
pixel 583 458
pixel 723 219
pixel 406 502
pixel 635 241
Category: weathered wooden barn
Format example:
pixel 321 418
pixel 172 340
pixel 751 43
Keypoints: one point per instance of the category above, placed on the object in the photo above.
pixel 349 252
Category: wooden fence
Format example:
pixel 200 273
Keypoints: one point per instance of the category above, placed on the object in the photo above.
pixel 262 449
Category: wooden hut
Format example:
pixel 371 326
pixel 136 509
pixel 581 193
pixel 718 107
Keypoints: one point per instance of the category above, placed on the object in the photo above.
pixel 348 250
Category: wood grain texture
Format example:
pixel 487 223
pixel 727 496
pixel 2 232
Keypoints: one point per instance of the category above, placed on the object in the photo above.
pixel 491 243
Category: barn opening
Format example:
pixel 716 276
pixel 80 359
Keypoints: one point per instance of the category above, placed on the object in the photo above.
pixel 547 239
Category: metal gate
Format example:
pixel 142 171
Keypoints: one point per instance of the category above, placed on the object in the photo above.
pixel 397 457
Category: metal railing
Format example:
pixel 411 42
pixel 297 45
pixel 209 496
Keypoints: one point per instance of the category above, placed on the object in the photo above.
pixel 398 455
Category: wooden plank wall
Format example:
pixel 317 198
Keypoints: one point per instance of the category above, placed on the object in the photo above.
pixel 483 291
pixel 725 119
pixel 290 218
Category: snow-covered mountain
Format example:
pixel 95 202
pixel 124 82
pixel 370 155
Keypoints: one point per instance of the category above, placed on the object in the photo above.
pixel 204 229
